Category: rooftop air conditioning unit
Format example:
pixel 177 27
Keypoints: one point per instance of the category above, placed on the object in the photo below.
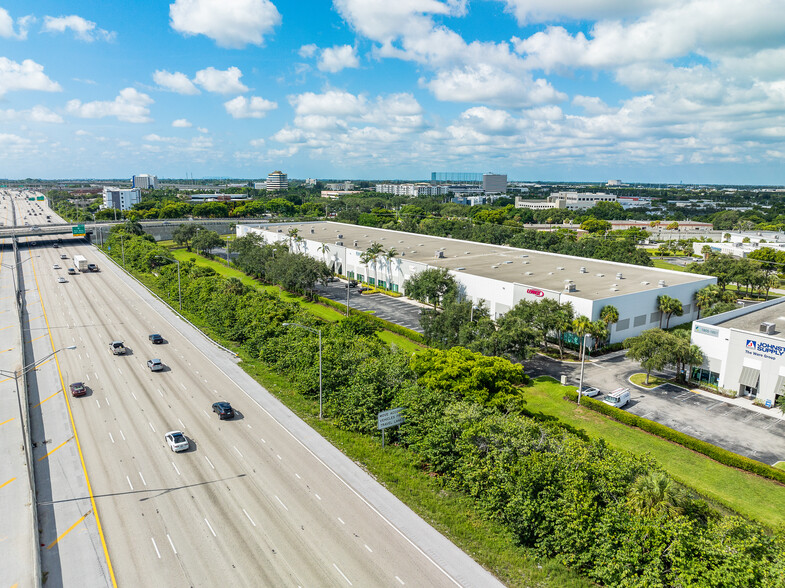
pixel 529 273
pixel 614 289
pixel 569 287
pixel 600 275
pixel 400 241
pixel 583 270
pixel 313 231
pixel 440 255
pixel 508 261
pixel 526 261
pixel 560 268
pixel 280 230
pixel 402 253
pixel 340 236
pixel 619 276
pixel 459 269
pixel 495 266
pixel 661 283
pixel 768 328
pixel 339 243
pixel 644 283
pixel 356 242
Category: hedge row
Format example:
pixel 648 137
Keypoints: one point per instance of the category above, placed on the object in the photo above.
pixel 723 456
pixel 386 325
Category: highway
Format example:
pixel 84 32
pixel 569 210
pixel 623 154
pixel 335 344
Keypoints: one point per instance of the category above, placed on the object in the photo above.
pixel 254 502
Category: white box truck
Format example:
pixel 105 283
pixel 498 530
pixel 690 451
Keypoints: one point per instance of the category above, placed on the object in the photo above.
pixel 80 263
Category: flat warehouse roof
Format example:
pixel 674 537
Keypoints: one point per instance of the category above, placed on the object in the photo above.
pixel 752 320
pixel 548 271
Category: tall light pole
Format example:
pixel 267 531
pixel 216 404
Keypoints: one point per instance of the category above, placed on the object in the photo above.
pixel 179 291
pixel 583 362
pixel 318 332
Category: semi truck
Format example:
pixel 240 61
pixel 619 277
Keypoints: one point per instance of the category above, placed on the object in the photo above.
pixel 80 263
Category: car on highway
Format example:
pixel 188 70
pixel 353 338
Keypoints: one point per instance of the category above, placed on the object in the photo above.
pixel 155 365
pixel 589 391
pixel 61 280
pixel 92 267
pixel 156 339
pixel 117 348
pixel 55 246
pixel 177 441
pixel 56 266
pixel 71 271
pixel 63 256
pixel 78 389
pixel 224 410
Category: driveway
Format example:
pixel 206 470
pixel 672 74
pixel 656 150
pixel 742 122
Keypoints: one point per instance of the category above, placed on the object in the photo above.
pixel 749 433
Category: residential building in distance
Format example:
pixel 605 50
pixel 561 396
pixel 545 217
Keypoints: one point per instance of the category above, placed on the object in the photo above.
pixel 494 183
pixel 145 182
pixel 634 202
pixel 277 181
pixel 340 186
pixel 121 198
pixel 568 200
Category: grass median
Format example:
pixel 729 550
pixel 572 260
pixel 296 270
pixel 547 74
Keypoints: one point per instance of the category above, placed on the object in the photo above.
pixel 750 495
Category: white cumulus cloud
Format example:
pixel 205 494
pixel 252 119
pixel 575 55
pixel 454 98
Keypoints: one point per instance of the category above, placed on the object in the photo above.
pixel 230 23
pixel 182 123
pixel 130 105
pixel 7 25
pixel 221 81
pixel 255 107
pixel 27 75
pixel 334 59
pixel 175 82
pixel 307 51
pixel 35 114
pixel 83 29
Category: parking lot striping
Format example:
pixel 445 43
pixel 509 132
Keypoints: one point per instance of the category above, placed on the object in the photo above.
pixel 68 530
pixel 282 504
pixel 341 521
pixel 129 482
pixel 11 348
pixel 96 375
pixel 238 451
pixel 249 517
pixel 249 426
pixel 342 574
pixel 158 553
pixel 151 426
pixel 208 461
pixel 45 399
pixel 183 387
pixel 317 496
pixel 37 338
pixel 141 476
pixel 111 438
pixel 401 581
pixel 8 421
pixel 175 468
pixel 4 484
pixel 170 543
pixel 121 434
pixel 369 549
pixel 53 450
pixel 211 527
pixel 161 394
pixel 8 327
pixel 121 371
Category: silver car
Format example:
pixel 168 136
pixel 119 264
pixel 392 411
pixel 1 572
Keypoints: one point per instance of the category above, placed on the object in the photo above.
pixel 177 441
pixel 589 391
pixel 155 365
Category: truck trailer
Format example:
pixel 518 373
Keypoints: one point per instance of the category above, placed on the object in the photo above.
pixel 80 263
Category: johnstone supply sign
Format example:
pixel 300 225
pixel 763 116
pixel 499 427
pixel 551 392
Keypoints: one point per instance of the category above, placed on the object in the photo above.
pixel 763 349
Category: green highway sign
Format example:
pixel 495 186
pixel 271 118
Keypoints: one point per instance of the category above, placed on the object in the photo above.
pixel 78 231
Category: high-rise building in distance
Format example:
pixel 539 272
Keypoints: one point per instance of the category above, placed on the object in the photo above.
pixel 277 181
pixel 145 182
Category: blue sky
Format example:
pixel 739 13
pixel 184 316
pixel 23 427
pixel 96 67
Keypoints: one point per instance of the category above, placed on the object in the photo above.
pixel 563 90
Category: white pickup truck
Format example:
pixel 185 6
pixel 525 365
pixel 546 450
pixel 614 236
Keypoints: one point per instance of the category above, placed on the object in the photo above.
pixel 117 348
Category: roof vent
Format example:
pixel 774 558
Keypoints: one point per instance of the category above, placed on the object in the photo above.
pixel 661 283
pixel 440 254
pixel 600 275
pixel 644 283
pixel 583 270
pixel 768 328
pixel 614 289
pixel 524 255
pixel 281 231
pixel 467 252
pixel 560 268
pixel 402 253
pixel 356 242
pixel 340 236
pixel 569 287
pixel 526 261
pixel 339 242
pixel 313 231
pixel 619 276
pixel 508 261
pixel 550 273
pixel 529 273
pixel 495 266
pixel 400 241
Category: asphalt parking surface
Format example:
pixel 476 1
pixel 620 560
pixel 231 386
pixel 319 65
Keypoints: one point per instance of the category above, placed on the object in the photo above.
pixel 749 433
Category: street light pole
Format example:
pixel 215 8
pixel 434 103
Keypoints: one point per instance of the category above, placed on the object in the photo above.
pixel 318 332
pixel 583 362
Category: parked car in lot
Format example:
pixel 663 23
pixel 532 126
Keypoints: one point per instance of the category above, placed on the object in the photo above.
pixel 78 389
pixel 156 339
pixel 155 365
pixel 177 441
pixel 589 391
pixel 352 283
pixel 224 410
pixel 617 398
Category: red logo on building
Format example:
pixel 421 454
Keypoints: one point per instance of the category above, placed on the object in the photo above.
pixel 537 293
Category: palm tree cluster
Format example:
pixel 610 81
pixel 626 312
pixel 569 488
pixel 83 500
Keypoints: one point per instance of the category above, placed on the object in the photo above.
pixel 376 252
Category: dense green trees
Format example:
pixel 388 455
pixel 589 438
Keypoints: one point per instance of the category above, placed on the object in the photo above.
pixel 431 286
pixel 655 349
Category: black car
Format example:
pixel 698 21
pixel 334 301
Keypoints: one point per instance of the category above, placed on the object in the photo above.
pixel 156 339
pixel 352 283
pixel 224 410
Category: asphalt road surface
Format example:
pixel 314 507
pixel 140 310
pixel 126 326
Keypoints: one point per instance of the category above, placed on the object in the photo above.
pixel 251 503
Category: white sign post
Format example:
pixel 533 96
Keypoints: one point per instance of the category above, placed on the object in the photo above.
pixel 389 418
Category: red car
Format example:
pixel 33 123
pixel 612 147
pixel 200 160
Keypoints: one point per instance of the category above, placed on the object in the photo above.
pixel 78 389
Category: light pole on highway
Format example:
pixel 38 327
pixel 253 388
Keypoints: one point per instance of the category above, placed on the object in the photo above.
pixel 318 332
pixel 179 291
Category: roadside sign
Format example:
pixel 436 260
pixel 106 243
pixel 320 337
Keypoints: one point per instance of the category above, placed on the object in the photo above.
pixel 390 418
pixel 78 231
pixel 40 198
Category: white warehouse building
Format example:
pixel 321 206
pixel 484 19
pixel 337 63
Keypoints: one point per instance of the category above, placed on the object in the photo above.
pixel 498 275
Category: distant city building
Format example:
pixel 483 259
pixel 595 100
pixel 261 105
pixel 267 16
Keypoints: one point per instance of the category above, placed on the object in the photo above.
pixel 539 204
pixel 277 181
pixel 614 182
pixel 260 185
pixel 422 189
pixel 494 183
pixel 476 200
pixel 121 198
pixel 634 201
pixel 219 197
pixel 310 182
pixel 145 182
pixel 568 200
pixel 342 186
pixel 456 177
pixel 335 194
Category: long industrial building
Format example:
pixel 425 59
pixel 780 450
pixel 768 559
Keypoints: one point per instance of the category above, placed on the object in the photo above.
pixel 498 275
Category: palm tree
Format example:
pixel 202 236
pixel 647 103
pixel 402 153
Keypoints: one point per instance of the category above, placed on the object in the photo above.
pixel 772 281
pixel 706 297
pixel 389 255
pixel 370 256
pixel 293 236
pixel 324 249
pixel 668 306
pixel 656 494
pixel 610 316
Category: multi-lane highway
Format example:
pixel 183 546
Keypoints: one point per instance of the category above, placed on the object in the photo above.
pixel 259 500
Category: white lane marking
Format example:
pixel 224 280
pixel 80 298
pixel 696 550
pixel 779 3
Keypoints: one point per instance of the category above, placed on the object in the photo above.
pixel 282 504
pixel 151 426
pixel 107 401
pixel 205 413
pixel 369 549
pixel 98 403
pixel 141 476
pixel 249 518
pixel 183 387
pixel 317 496
pixel 249 426
pixel 344 575
pixel 88 377
pixel 401 581
pixel 208 461
pixel 181 423
pixel 238 451
pixel 121 434
pixel 172 544
pixel 158 553
pixel 263 441
pixel 112 438
pixel 341 521
pixel 134 395
pixel 121 371
pixel 87 354
pixel 175 469
pixel 211 528
pixel 298 476
pixel 161 393
pixel 129 482
pixel 96 375
pixel 278 456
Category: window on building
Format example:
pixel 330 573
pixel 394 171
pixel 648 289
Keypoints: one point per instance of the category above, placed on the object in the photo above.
pixel 360 278
pixel 623 325
pixel 687 308
pixel 350 275
pixel 394 287
pixel 704 375
pixel 371 281
pixel 382 284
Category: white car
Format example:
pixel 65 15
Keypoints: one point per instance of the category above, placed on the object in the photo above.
pixel 177 441
pixel 56 266
pixel 61 280
pixel 589 391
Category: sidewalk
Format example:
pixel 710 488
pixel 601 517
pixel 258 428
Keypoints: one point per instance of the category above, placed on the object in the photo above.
pixel 742 402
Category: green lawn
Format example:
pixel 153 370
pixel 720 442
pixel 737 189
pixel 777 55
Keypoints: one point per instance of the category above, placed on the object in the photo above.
pixel 665 265
pixel 654 381
pixel 728 486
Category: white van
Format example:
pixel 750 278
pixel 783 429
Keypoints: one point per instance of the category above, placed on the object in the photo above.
pixel 618 397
